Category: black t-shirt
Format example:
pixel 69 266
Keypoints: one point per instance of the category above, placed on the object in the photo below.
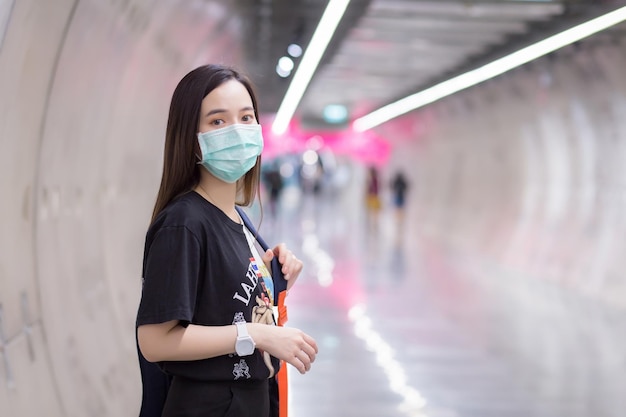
pixel 198 268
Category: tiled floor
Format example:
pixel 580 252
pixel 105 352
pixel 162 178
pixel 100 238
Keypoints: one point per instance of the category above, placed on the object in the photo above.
pixel 407 327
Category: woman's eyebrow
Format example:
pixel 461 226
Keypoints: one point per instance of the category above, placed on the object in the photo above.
pixel 215 111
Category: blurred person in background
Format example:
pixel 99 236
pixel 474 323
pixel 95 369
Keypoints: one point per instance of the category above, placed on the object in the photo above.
pixel 372 198
pixel 399 188
pixel 274 182
pixel 205 315
pixel 311 173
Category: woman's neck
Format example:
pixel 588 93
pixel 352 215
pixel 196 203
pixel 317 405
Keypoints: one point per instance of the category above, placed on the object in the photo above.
pixel 219 193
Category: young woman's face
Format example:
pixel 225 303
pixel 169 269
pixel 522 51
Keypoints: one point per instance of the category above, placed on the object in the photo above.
pixel 228 104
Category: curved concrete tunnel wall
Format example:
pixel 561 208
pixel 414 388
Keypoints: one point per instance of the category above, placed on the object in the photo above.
pixel 526 172
pixel 84 96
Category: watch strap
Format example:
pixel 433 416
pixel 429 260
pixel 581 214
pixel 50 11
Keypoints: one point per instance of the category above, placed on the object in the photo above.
pixel 242 329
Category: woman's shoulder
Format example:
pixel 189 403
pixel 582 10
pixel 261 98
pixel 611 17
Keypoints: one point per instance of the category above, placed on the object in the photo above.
pixel 184 211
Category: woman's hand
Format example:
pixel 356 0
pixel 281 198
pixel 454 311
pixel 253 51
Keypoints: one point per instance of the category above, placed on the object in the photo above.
pixel 291 266
pixel 291 345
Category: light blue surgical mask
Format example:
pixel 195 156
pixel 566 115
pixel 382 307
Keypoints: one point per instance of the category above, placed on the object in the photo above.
pixel 230 152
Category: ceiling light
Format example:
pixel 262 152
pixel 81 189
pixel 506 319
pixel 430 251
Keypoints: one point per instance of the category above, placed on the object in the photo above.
pixel 282 72
pixel 490 70
pixel 335 113
pixel 285 63
pixel 294 50
pixel 323 33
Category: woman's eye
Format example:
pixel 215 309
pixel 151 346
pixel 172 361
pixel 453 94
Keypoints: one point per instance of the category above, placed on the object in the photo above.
pixel 217 122
pixel 248 118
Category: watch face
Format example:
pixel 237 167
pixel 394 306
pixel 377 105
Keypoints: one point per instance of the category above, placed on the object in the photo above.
pixel 245 346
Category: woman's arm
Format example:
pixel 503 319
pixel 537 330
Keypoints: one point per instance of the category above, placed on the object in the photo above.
pixel 170 341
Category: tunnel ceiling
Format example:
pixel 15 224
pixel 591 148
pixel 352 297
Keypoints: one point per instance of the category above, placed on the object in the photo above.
pixel 384 50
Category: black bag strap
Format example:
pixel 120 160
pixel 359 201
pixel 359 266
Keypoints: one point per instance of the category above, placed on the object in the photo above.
pixel 280 283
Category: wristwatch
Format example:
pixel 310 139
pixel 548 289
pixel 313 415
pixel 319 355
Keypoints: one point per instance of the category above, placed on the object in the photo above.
pixel 244 345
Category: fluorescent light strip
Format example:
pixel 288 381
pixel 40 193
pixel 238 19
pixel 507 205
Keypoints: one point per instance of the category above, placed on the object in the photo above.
pixel 323 33
pixel 493 69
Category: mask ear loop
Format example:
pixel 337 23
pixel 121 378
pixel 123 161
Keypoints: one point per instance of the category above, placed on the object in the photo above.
pixel 198 157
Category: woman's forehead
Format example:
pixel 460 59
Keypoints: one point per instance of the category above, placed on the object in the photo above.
pixel 230 93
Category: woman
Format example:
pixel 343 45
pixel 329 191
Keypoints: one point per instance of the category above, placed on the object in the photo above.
pixel 372 198
pixel 203 313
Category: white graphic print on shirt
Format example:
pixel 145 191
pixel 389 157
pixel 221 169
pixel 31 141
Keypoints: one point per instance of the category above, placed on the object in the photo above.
pixel 248 288
pixel 241 369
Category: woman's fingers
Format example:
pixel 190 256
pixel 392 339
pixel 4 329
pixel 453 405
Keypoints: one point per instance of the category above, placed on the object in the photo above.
pixel 302 357
pixel 307 353
pixel 291 265
pixel 286 343
pixel 294 266
pixel 302 361
pixel 310 352
pixel 303 353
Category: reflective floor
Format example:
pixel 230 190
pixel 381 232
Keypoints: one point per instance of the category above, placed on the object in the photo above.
pixel 408 327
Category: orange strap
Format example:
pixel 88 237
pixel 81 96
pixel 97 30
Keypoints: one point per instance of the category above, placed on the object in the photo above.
pixel 281 376
pixel 283 391
pixel 282 308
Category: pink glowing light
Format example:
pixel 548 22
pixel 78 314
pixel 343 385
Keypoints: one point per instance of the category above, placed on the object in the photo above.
pixel 367 147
